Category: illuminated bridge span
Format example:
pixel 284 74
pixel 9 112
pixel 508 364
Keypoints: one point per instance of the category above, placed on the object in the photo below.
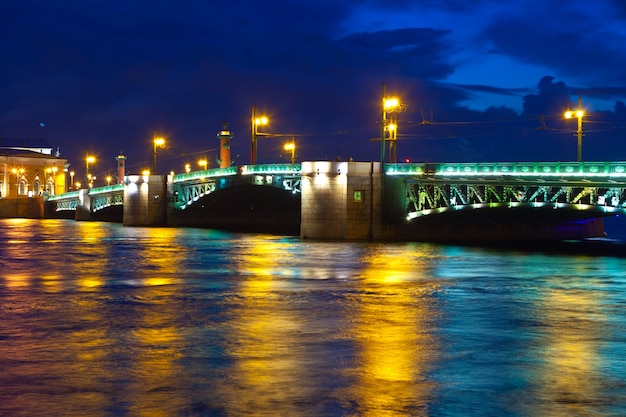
pixel 191 187
pixel 353 201
pixel 598 186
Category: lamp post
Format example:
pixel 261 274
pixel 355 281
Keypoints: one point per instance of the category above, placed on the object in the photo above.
pixel 54 179
pixel 72 173
pixel 393 147
pixel 256 121
pixel 203 163
pixel 291 147
pixel 89 160
pixel 579 113
pixel 18 174
pixel 389 105
pixel 156 142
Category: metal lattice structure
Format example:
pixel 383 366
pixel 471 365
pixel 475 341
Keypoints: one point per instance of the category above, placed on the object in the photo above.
pixel 101 198
pixel 102 201
pixel 191 187
pixel 600 186
pixel 66 201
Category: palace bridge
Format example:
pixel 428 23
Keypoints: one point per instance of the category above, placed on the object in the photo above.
pixel 358 201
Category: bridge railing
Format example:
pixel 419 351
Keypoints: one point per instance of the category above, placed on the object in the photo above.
pixel 64 196
pixel 272 169
pixel 540 169
pixel 264 169
pixel 214 172
pixel 106 189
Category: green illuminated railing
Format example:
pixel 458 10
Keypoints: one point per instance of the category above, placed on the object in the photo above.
pixel 214 172
pixel 541 169
pixel 265 169
pixel 106 189
pixel 272 169
pixel 71 194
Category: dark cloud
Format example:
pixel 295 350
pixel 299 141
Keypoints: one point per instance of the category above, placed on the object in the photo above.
pixel 620 6
pixel 575 50
pixel 553 98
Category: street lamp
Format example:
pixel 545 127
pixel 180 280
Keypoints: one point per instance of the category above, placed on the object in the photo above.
pixel 157 142
pixel 18 174
pixel 389 105
pixel 89 160
pixel 256 121
pixel 72 173
pixel 392 128
pixel 203 163
pixel 291 147
pixel 579 113
pixel 109 179
pixel 187 168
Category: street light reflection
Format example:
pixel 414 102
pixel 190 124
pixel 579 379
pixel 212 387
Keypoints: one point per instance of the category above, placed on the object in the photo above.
pixel 392 328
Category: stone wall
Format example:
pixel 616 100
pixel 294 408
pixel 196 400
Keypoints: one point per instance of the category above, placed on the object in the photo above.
pixel 340 200
pixel 145 200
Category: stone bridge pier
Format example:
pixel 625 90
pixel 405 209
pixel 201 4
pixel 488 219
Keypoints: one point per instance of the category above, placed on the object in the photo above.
pixel 145 200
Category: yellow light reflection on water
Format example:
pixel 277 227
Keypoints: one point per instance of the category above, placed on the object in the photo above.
pixel 17 280
pixel 568 383
pixel 392 327
pixel 270 360
pixel 90 234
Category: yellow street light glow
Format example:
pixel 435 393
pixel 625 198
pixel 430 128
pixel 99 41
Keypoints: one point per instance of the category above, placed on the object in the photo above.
pixel 260 121
pixel 159 141
pixel 91 159
pixel 145 172
pixel 390 103
pixel 187 168
pixel 392 126
pixel 203 163
pixel 579 113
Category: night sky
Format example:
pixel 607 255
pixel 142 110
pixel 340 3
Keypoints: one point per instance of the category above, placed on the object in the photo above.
pixel 485 80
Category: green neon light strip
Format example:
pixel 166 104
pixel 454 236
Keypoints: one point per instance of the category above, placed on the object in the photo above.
pixel 541 169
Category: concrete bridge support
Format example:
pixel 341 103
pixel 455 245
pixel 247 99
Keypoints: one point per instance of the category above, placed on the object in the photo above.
pixel 341 200
pixel 145 200
pixel 83 210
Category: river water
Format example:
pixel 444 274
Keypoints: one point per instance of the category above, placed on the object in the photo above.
pixel 97 319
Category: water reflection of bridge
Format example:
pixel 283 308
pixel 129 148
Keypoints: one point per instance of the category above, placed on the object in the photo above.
pixel 353 193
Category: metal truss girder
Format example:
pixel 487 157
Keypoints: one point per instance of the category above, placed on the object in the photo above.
pixel 293 184
pixel 188 193
pixel 63 205
pixel 425 195
pixel 102 201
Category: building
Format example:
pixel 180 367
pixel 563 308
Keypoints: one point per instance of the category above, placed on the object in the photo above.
pixel 29 169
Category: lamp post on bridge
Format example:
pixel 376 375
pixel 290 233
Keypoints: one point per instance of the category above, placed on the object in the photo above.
pixel 89 160
pixel 256 121
pixel 579 113
pixel 157 142
pixel 389 105
pixel 291 146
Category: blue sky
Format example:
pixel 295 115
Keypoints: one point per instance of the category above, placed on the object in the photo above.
pixel 99 77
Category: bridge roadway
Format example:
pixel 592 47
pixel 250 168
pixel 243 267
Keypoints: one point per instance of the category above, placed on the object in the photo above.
pixel 504 198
